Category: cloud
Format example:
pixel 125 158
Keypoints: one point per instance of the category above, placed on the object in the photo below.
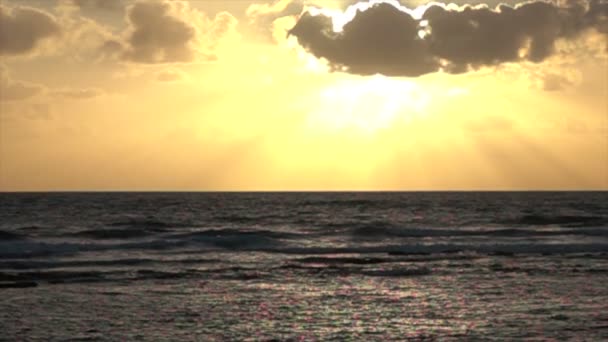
pixel 82 37
pixel 168 31
pixel 222 24
pixel 170 75
pixel 31 32
pixel 111 49
pixel 76 93
pixel 13 90
pixel 109 5
pixel 23 29
pixel 262 16
pixel 554 82
pixel 158 35
pixel 265 17
pixel 387 38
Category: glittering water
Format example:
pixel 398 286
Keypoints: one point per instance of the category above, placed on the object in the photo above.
pixel 304 266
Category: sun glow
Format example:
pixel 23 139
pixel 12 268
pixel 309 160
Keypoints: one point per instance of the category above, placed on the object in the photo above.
pixel 368 105
pixel 341 18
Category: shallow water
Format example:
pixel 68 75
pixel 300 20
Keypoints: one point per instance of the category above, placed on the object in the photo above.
pixel 304 266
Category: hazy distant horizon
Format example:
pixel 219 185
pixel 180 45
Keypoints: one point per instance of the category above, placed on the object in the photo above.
pixel 300 191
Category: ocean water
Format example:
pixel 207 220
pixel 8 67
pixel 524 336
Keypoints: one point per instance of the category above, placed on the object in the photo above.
pixel 304 266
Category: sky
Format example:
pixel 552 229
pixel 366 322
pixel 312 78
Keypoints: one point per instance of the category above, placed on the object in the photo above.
pixel 209 95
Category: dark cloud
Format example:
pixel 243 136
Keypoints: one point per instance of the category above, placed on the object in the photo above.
pixel 23 28
pixel 166 31
pixel 597 15
pixel 387 38
pixel 381 39
pixel 158 36
pixel 111 49
pixel 109 5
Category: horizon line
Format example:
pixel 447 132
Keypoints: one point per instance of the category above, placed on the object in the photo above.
pixel 294 191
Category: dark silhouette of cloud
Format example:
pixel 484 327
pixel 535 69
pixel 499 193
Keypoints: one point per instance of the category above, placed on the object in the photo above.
pixel 165 31
pixel 109 5
pixel 111 49
pixel 158 36
pixel 23 28
pixel 389 39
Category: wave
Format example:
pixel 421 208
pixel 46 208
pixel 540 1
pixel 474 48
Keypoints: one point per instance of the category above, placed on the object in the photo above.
pixel 360 265
pixel 44 264
pixel 53 277
pixel 33 278
pixel 17 284
pixel 342 202
pixel 7 236
pixel 145 274
pixel 238 238
pixel 14 246
pixel 343 260
pixel 251 218
pixel 148 223
pixel 398 268
pixel 226 239
pixel 30 228
pixel 560 220
pixel 384 230
pixel 398 272
pixel 418 249
pixel 95 276
pixel 219 233
pixel 115 233
pixel 31 248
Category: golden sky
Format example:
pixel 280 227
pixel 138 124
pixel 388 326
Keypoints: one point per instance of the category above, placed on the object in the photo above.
pixel 303 95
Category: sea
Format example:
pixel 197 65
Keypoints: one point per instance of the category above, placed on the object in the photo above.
pixel 350 266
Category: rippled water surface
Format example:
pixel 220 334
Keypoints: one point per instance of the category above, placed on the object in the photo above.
pixel 304 266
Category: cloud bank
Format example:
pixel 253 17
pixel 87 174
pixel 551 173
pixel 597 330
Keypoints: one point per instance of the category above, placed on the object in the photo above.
pixel 158 35
pixel 163 31
pixel 22 29
pixel 109 5
pixel 387 38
